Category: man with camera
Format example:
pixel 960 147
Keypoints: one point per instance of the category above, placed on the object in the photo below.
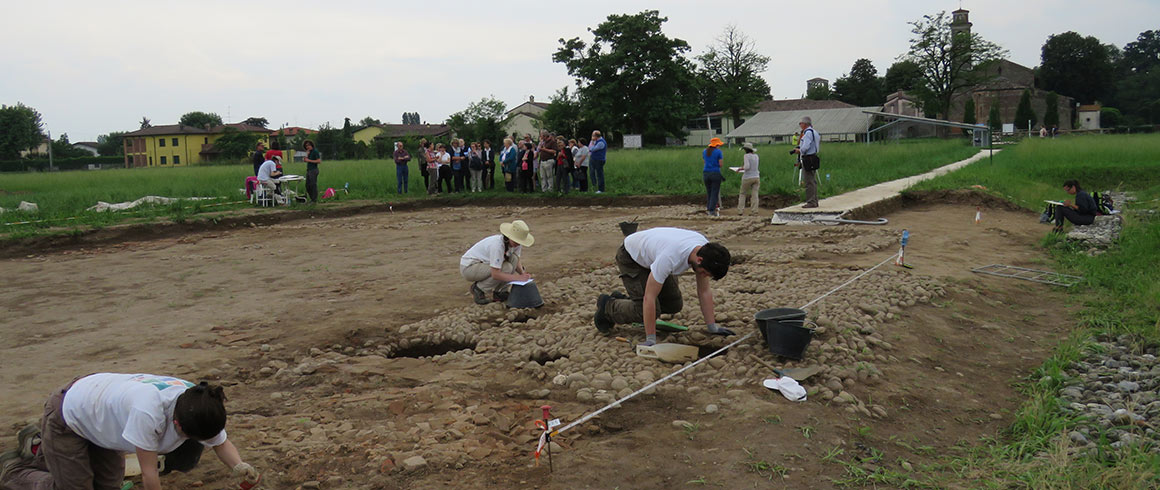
pixel 809 162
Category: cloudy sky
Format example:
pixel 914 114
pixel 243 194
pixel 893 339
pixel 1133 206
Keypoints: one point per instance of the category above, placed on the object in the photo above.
pixel 95 67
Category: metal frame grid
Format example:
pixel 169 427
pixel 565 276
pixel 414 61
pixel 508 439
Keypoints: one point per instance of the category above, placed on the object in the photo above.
pixel 1044 277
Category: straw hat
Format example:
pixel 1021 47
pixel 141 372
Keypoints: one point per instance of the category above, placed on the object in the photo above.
pixel 517 231
pixel 747 146
pixel 715 142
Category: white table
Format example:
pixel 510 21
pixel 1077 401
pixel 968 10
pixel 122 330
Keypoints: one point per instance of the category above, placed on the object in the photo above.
pixel 291 178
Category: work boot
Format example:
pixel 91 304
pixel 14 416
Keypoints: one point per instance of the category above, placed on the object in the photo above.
pixel 618 295
pixel 8 461
pixel 603 323
pixel 478 294
pixel 500 296
pixel 28 441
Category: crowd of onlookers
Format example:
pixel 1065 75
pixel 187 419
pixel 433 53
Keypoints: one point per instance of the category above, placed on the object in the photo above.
pixel 551 164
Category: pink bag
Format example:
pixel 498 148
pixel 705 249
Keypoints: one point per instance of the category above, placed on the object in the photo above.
pixel 329 193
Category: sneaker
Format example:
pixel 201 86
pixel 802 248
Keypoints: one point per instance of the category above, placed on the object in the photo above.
pixel 603 323
pixel 600 192
pixel 8 461
pixel 500 296
pixel 28 441
pixel 810 206
pixel 478 294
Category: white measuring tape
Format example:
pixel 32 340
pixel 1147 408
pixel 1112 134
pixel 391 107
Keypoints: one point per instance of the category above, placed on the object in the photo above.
pixel 588 417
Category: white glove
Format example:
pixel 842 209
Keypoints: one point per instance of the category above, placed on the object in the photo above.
pixel 248 472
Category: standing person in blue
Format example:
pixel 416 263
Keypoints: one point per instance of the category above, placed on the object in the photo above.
pixel 596 151
pixel 488 155
pixel 509 159
pixel 458 164
pixel 402 173
pixel 313 158
pixel 808 149
pixel 711 174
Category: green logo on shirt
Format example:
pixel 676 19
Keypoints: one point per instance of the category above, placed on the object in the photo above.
pixel 162 382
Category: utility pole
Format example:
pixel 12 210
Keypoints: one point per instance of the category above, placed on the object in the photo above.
pixel 49 133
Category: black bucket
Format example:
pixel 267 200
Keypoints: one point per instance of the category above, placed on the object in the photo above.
pixel 526 296
pixel 628 227
pixel 784 331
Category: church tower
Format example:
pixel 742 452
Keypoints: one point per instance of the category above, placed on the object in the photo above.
pixel 960 22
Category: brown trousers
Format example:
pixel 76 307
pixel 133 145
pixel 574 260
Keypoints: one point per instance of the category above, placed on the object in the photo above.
pixel 635 278
pixel 65 460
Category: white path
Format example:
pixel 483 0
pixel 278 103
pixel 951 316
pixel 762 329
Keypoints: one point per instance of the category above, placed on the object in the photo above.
pixel 876 193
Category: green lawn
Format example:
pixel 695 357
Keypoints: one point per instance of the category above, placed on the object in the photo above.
pixel 1120 293
pixel 675 171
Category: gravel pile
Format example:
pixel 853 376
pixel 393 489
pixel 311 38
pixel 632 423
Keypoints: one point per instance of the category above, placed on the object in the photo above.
pixel 1115 394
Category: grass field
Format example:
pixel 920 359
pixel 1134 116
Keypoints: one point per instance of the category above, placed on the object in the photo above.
pixel 674 171
pixel 1120 292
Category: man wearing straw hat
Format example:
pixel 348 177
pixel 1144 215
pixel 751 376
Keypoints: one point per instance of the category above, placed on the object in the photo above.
pixel 494 262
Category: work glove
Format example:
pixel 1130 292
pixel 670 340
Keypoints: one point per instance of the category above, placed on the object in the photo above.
pixel 247 472
pixel 716 329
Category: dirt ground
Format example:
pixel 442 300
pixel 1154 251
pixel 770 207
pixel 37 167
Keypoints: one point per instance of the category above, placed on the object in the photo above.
pixel 323 332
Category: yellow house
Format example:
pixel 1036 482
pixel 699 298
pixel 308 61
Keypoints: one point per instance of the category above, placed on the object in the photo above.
pixel 367 135
pixel 165 146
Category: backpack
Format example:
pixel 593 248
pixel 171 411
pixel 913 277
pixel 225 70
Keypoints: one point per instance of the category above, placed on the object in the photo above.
pixel 1104 203
pixel 1048 214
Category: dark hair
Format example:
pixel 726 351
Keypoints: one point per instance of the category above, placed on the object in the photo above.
pixel 583 141
pixel 201 411
pixel 308 142
pixel 487 142
pixel 1072 183
pixel 274 145
pixel 715 259
pixel 747 150
pixel 528 145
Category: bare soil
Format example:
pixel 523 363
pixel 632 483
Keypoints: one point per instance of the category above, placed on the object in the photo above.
pixel 349 344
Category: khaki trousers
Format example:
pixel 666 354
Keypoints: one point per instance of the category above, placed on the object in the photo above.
pixel 751 187
pixel 480 274
pixel 635 278
pixel 810 179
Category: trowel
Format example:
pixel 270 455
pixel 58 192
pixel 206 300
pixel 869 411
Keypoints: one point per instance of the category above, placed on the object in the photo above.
pixel 795 373
pixel 668 352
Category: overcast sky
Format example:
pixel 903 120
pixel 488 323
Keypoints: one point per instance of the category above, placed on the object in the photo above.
pixel 95 67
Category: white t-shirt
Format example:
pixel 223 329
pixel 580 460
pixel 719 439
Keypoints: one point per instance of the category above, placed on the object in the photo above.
pixel 578 152
pixel 268 167
pixel 124 412
pixel 665 251
pixel 489 251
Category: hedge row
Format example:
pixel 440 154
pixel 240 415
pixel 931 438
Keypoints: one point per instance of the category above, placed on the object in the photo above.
pixel 41 164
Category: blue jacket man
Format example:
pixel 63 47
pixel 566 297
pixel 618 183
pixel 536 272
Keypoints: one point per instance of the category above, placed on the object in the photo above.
pixel 597 148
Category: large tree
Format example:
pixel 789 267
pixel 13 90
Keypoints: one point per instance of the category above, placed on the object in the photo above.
pixel 902 75
pixel 632 77
pixel 369 121
pixel 479 121
pixel 819 92
pixel 20 129
pixel 200 119
pixel 563 114
pixel 1138 87
pixel 861 87
pixel 234 144
pixel 111 144
pixel 63 148
pixel 994 120
pixel 260 122
pixel 730 73
pixel 1076 66
pixel 949 62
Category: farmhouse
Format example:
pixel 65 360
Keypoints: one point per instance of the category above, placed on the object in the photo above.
pixel 524 118
pixel 368 134
pixel 177 144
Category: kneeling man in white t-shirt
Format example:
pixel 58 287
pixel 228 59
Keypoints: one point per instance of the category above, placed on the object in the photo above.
pixel 649 262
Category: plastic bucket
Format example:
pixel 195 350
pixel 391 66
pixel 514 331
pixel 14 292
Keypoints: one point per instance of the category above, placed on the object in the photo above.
pixel 525 296
pixel 628 227
pixel 784 331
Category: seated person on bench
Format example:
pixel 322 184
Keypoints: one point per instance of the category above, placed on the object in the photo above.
pixel 268 172
pixel 1081 212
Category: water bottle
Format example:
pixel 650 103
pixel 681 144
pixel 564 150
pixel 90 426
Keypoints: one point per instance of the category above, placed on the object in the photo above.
pixel 827 177
pixel 905 237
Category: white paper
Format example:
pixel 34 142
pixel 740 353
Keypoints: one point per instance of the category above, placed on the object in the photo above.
pixel 736 169
pixel 521 283
pixel 1057 203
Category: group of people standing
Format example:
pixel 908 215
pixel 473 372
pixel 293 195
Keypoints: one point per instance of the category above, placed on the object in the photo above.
pixel 553 164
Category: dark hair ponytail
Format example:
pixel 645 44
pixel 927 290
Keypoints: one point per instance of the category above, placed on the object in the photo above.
pixel 201 411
